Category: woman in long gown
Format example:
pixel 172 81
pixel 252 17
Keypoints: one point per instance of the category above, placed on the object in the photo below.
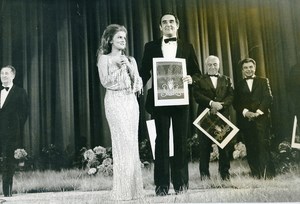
pixel 119 75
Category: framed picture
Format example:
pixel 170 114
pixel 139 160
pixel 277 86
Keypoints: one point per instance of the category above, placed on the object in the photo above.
pixel 169 90
pixel 296 135
pixel 152 136
pixel 217 127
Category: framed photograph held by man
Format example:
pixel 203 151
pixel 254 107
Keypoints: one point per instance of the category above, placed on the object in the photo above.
pixel 216 126
pixel 169 89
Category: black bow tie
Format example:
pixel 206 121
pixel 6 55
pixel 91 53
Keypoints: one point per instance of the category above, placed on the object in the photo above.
pixel 250 77
pixel 170 39
pixel 6 88
pixel 213 75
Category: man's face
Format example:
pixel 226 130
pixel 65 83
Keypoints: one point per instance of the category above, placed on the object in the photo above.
pixel 248 69
pixel 212 65
pixel 168 26
pixel 7 76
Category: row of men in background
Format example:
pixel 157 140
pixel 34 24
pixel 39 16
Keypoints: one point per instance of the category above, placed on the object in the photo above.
pixel 252 99
pixel 212 90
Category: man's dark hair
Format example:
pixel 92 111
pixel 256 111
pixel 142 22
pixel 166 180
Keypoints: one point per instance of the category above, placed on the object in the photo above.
pixel 169 13
pixel 246 60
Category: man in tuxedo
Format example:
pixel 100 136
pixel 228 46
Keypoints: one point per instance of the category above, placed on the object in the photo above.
pixel 13 114
pixel 169 46
pixel 252 102
pixel 213 91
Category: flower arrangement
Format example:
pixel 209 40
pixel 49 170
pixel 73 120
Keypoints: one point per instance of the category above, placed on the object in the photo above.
pixel 98 160
pixel 286 158
pixel 239 151
pixel 20 154
pixel 145 151
pixel 214 155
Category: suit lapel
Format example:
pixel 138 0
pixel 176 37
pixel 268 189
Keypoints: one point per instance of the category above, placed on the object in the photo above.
pixel 245 86
pixel 209 82
pixel 219 82
pixel 254 85
pixel 158 47
pixel 179 49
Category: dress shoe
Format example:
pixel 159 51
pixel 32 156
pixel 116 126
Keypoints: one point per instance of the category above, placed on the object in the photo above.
pixel 181 190
pixel 204 177
pixel 161 190
pixel 225 177
pixel 8 195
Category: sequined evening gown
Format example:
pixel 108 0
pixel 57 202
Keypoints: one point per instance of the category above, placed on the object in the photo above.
pixel 122 113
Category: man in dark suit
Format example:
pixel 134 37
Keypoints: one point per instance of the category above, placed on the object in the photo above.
pixel 168 46
pixel 213 91
pixel 13 114
pixel 252 102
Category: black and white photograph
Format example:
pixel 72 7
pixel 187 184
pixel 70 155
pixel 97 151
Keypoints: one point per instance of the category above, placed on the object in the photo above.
pixel 217 127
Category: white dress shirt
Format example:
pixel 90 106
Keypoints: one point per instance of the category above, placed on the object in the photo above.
pixel 250 84
pixel 214 81
pixel 169 49
pixel 4 94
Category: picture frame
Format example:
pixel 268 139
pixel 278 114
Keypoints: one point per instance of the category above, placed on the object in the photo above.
pixel 296 134
pixel 217 127
pixel 169 89
pixel 152 137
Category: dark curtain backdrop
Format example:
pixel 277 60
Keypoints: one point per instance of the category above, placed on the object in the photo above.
pixel 53 44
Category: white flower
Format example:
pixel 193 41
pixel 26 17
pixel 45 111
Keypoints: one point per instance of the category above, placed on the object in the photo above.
pixel 20 154
pixel 100 168
pixel 236 154
pixel 240 151
pixel 107 161
pixel 99 150
pixel 89 155
pixel 92 171
pixel 214 155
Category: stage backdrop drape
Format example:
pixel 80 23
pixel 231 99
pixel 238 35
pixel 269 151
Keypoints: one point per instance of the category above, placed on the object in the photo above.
pixel 53 44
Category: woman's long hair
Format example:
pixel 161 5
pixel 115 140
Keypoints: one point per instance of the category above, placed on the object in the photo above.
pixel 107 36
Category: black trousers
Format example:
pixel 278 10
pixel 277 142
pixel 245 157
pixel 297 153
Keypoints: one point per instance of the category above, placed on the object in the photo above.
pixel 179 162
pixel 256 137
pixel 205 150
pixel 8 170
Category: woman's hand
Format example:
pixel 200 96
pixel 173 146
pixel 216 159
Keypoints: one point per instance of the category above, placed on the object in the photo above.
pixel 122 60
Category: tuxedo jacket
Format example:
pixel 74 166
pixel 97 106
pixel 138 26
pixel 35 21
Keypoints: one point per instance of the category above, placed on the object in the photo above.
pixel 13 115
pixel 259 98
pixel 152 50
pixel 204 92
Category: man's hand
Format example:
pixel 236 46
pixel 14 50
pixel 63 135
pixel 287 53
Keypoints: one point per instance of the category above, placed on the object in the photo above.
pixel 187 79
pixel 250 115
pixel 213 111
pixel 216 105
